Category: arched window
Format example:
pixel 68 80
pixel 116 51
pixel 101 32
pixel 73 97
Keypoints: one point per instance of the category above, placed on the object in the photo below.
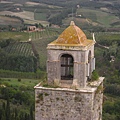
pixel 66 67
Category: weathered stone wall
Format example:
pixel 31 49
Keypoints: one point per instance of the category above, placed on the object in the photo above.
pixel 66 104
pixel 97 103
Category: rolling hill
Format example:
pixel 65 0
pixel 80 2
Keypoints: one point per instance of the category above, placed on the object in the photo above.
pixel 92 13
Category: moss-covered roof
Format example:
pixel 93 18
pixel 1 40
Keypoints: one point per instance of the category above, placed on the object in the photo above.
pixel 72 36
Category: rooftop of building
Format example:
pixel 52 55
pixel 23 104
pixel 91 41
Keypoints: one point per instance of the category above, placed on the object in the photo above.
pixel 72 36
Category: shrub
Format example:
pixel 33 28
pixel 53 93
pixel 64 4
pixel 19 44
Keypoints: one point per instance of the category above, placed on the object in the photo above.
pixel 94 76
pixel 19 80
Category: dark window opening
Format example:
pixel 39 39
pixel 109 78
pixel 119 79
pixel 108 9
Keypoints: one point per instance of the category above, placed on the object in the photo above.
pixel 66 67
pixel 89 62
pixel 89 57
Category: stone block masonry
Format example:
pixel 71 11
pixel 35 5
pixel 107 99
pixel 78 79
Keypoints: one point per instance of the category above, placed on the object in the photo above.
pixel 69 104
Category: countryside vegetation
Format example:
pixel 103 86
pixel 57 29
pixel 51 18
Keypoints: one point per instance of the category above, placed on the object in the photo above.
pixel 23 52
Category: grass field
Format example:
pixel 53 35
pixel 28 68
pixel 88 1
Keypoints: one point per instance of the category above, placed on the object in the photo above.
pixel 40 16
pixel 24 14
pixel 41 4
pixel 21 36
pixel 4 20
pixel 17 83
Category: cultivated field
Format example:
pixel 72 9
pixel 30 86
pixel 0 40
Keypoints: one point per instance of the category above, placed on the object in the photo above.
pixel 23 47
pixel 20 48
pixel 27 16
pixel 31 12
pixel 45 33
pixel 40 16
pixel 102 18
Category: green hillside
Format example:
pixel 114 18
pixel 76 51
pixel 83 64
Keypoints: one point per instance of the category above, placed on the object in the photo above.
pixel 96 13
pixel 100 17
pixel 23 54
pixel 17 98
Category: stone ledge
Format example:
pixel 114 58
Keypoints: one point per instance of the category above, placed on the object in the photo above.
pixel 97 82
pixel 72 47
pixel 89 89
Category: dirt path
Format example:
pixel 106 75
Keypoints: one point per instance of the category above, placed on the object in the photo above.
pixel 106 47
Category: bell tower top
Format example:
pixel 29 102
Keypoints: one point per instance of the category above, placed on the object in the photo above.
pixel 70 58
pixel 72 36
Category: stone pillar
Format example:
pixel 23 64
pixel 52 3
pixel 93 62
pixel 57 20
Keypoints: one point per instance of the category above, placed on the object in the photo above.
pixel 80 73
pixel 53 71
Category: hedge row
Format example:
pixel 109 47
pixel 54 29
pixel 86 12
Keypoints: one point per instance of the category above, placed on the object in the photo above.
pixel 28 75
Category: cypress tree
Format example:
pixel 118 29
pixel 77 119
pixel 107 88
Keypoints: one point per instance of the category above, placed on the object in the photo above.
pixel 8 110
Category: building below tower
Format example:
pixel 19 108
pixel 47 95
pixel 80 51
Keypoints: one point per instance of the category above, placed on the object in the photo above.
pixel 69 104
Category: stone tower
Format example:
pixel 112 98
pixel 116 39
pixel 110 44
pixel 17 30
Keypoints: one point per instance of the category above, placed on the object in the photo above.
pixel 69 93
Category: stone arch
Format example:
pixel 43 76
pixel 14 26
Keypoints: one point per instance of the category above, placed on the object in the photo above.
pixel 67 66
